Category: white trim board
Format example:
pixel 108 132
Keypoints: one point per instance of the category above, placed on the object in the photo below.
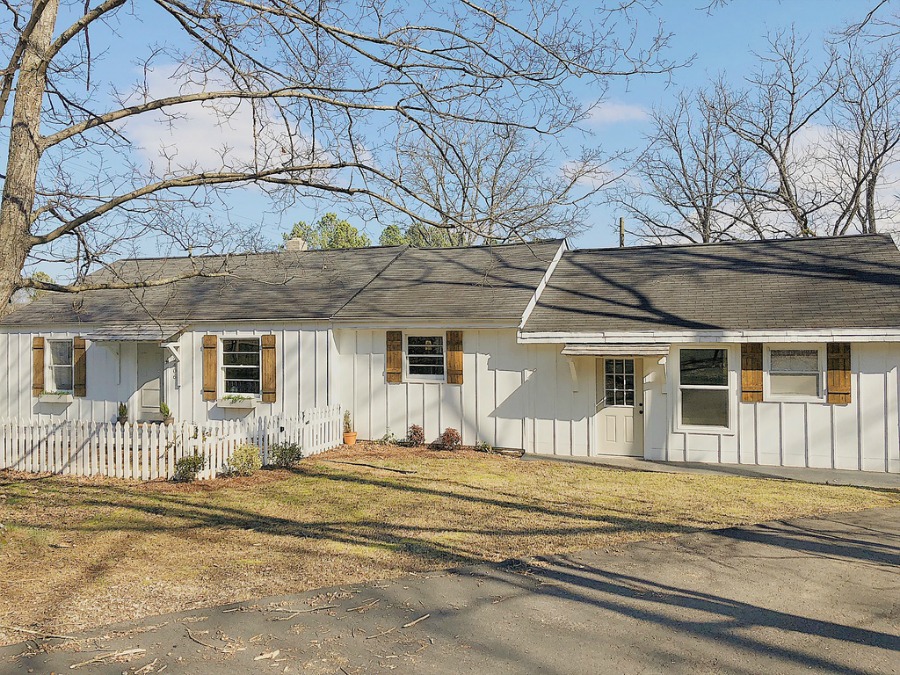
pixel 677 337
pixel 529 308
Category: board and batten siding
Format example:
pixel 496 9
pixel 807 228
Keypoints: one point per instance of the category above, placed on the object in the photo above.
pixel 303 354
pixel 111 378
pixel 513 395
pixel 864 434
pixel 302 357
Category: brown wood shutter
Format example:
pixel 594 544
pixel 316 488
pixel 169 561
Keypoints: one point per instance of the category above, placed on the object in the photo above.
pixel 79 360
pixel 394 364
pixel 269 373
pixel 454 357
pixel 210 367
pixel 839 388
pixel 37 367
pixel 751 372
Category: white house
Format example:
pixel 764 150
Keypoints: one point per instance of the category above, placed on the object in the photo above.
pixel 775 353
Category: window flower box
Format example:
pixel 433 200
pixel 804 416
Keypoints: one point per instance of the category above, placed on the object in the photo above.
pixel 56 397
pixel 237 403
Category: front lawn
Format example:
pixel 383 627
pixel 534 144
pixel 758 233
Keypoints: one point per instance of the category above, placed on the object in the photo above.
pixel 76 553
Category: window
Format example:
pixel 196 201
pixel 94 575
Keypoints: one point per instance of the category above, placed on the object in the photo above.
pixel 425 357
pixel 619 381
pixel 703 387
pixel 60 376
pixel 240 360
pixel 795 372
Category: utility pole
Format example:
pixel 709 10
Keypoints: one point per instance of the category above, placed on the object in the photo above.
pixel 621 233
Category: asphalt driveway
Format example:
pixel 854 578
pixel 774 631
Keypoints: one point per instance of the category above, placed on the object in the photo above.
pixel 811 595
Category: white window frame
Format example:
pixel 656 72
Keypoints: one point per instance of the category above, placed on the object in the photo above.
pixel 222 366
pixel 49 378
pixel 635 382
pixel 767 367
pixel 407 377
pixel 730 388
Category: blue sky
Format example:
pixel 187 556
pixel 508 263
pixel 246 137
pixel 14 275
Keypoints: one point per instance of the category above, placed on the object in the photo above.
pixel 722 40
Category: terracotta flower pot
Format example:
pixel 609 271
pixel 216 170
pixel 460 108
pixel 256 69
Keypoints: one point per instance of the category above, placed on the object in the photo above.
pixel 350 438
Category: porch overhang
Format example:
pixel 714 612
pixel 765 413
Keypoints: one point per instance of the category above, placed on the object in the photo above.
pixel 149 332
pixel 600 349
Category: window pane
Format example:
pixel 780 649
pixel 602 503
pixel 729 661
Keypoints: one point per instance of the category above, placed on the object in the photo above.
pixel 241 358
pixel 794 361
pixel 242 386
pixel 61 353
pixel 610 366
pixel 798 385
pixel 704 366
pixel 62 378
pixel 704 407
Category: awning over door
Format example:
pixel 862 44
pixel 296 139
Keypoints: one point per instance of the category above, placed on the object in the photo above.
pixel 615 350
pixel 151 332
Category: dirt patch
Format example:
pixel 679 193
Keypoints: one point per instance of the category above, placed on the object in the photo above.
pixel 78 552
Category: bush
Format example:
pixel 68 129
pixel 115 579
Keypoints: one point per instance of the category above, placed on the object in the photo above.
pixel 285 454
pixel 388 439
pixel 450 439
pixel 415 435
pixel 244 461
pixel 187 468
pixel 484 446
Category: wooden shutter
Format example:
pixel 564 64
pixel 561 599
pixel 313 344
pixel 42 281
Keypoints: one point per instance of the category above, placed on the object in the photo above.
pixel 751 372
pixel 454 357
pixel 210 367
pixel 269 373
pixel 839 389
pixel 394 364
pixel 79 362
pixel 37 369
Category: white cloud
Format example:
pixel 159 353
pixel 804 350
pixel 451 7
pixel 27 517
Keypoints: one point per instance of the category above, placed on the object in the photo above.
pixel 209 135
pixel 616 112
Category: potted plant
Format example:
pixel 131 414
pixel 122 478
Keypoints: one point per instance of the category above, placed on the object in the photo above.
pixel 122 417
pixel 349 434
pixel 166 413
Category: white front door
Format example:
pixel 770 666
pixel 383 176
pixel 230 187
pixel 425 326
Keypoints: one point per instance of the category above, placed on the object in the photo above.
pixel 620 406
pixel 149 372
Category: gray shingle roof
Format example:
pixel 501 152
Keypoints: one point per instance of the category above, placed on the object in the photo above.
pixel 482 282
pixel 840 282
pixel 378 283
pixel 284 285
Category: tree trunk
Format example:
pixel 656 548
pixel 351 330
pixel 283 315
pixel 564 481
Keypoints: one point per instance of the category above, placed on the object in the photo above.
pixel 24 156
pixel 870 225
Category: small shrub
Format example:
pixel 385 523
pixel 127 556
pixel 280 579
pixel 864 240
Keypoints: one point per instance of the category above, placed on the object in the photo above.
pixel 484 446
pixel 450 439
pixel 165 411
pixel 244 461
pixel 187 468
pixel 416 435
pixel 285 454
pixel 388 439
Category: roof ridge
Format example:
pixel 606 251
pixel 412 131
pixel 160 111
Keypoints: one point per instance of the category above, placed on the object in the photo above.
pixel 736 242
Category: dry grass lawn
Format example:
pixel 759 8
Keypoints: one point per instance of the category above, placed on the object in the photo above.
pixel 77 553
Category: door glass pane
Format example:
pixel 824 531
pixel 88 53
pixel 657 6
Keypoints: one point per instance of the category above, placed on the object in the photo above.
pixel 704 407
pixel 704 366
pixel 619 381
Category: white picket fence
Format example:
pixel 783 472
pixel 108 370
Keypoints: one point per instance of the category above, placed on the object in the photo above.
pixel 147 451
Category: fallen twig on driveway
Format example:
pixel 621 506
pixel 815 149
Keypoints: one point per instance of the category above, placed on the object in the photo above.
pixel 39 634
pixel 413 623
pixel 111 655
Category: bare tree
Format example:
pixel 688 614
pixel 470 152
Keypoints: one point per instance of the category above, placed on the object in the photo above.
pixel 335 94
pixel 865 123
pixel 510 185
pixel 686 186
pixel 800 150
